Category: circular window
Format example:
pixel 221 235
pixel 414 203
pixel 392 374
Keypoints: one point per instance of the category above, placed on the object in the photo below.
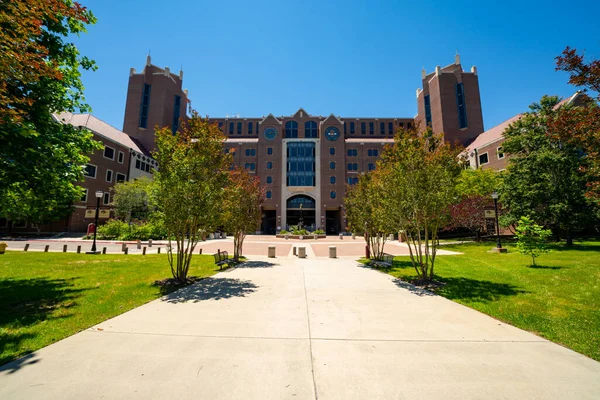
pixel 270 133
pixel 332 133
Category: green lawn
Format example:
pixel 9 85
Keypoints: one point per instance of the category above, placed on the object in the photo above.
pixel 559 300
pixel 45 297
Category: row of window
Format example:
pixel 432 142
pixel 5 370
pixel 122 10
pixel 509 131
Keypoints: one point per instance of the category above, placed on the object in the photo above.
pixel 105 197
pixel 90 171
pixel 485 159
pixel 311 130
pixel 109 153
pixel 294 152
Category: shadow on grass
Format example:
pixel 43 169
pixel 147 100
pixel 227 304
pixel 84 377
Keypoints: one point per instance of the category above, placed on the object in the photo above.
pixel 212 289
pixel 544 267
pixel 27 302
pixel 476 290
pixel 575 247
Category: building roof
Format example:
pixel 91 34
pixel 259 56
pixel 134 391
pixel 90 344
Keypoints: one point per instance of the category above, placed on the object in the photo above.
pixel 492 135
pixel 100 128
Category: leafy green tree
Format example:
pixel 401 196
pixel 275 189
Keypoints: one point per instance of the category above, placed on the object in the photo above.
pixel 478 182
pixel 366 213
pixel 544 179
pixel 133 199
pixel 420 172
pixel 531 238
pixel 41 159
pixel 191 185
pixel 242 207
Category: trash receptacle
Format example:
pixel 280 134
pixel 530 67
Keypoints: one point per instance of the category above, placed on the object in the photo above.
pixel 301 252
pixel 271 251
pixel 332 252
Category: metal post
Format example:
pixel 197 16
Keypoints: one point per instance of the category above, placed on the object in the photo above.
pixel 96 223
pixel 498 244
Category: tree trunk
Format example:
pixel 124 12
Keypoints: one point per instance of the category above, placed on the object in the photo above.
pixel 569 236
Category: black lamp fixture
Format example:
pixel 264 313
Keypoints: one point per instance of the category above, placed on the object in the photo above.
pixel 99 194
pixel 498 248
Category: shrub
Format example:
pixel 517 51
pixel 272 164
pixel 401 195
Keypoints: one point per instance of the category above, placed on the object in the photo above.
pixel 319 232
pixel 531 238
pixel 112 229
pixel 300 232
pixel 283 232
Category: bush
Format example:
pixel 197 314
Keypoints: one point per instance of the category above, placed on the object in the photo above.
pixel 112 229
pixel 283 232
pixel 319 232
pixel 300 232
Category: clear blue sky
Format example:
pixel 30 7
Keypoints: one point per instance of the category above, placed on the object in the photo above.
pixel 350 58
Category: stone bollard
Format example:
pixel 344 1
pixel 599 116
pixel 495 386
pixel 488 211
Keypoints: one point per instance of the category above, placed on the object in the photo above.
pixel 126 250
pixel 158 251
pixel 211 236
pixel 78 249
pixel 287 237
pixel 149 242
pixel 391 237
pixel 64 248
pixel 332 252
pixel 144 251
pixel 123 246
pixel 46 248
pixel 104 250
pixel 139 244
pixel 200 251
pixel 26 247
pixel 302 252
pixel 271 251
pixel 353 236
pixel 341 237
pixel 295 250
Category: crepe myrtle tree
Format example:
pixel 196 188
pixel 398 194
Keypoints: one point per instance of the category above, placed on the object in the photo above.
pixel 242 206
pixel 191 185
pixel 366 214
pixel 420 172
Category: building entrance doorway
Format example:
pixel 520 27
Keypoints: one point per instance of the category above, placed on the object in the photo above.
pixel 300 210
pixel 268 225
pixel 332 222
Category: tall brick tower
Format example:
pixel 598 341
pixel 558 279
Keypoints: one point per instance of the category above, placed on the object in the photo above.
pixel 154 99
pixel 449 101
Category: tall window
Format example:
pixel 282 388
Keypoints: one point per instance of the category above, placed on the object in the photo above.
pixel 390 128
pixel 352 166
pixel 269 194
pixel 332 194
pixel 332 151
pixel 269 179
pixel 145 106
pixel 239 128
pixel 427 102
pixel 291 129
pixel 231 128
pixel 269 151
pixel 269 164
pixel 332 180
pixel 371 128
pixel 249 128
pixel 363 128
pixel 301 164
pixel 382 128
pixel 460 103
pixel 352 128
pixel 310 129
pixel 344 129
pixel 332 165
pixel 352 152
pixel 176 111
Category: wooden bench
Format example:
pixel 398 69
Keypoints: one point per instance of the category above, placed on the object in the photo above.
pixel 387 260
pixel 221 258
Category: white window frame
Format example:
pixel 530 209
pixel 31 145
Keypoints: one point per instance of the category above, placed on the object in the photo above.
pixel 104 153
pixel 112 173
pixel 95 171
pixel 498 152
pixel 86 195
pixel 479 158
pixel 119 157
pixel 104 202
pixel 117 177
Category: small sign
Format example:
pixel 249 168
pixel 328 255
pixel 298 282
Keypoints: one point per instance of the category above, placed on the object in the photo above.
pixel 490 214
pixel 90 213
pixel 104 214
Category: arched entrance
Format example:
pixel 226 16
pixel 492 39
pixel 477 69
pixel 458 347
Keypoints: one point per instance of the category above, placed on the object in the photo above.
pixel 300 210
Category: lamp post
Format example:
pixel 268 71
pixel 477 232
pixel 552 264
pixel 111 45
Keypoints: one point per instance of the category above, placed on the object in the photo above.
pixel 301 219
pixel 99 194
pixel 499 248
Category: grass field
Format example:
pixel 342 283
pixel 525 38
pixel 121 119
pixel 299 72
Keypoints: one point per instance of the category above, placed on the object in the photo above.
pixel 558 300
pixel 45 297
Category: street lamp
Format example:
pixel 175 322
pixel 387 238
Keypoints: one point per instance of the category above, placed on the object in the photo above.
pixel 301 219
pixel 99 194
pixel 499 248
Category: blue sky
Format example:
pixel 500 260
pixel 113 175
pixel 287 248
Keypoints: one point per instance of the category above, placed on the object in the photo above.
pixel 350 58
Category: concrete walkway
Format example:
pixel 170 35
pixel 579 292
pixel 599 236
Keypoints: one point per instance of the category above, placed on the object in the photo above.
pixel 302 329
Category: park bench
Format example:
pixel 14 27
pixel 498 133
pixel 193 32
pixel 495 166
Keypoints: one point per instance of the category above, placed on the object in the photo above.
pixel 387 260
pixel 221 258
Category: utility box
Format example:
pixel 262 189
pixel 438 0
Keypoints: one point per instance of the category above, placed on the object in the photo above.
pixel 301 252
pixel 271 251
pixel 332 252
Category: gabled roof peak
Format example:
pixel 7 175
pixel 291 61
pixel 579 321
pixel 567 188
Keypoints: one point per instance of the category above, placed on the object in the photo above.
pixel 301 113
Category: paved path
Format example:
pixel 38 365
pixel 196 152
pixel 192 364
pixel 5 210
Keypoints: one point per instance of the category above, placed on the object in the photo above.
pixel 302 329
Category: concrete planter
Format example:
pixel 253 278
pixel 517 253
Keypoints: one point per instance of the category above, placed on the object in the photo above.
pixel 3 246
